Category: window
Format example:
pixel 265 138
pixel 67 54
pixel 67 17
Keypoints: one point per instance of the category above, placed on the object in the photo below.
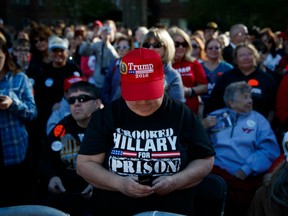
pixel 165 21
pixel 182 23
pixel 165 1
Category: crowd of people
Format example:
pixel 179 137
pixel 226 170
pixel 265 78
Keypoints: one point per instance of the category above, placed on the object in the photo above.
pixel 87 111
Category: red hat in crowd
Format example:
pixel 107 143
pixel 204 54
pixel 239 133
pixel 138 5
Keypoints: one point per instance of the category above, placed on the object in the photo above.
pixel 283 35
pixel 98 23
pixel 70 80
pixel 142 75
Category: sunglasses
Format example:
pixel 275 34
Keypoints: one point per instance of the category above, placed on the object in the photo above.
pixel 39 39
pixel 80 98
pixel 183 44
pixel 122 47
pixel 56 50
pixel 213 48
pixel 195 46
pixel 154 45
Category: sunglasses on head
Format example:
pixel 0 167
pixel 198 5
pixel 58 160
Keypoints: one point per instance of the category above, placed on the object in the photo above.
pixel 122 47
pixel 183 44
pixel 80 98
pixel 154 45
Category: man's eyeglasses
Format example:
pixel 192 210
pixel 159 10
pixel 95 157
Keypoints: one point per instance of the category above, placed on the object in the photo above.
pixel 80 98
pixel 122 47
pixel 183 44
pixel 213 48
pixel 56 50
pixel 154 45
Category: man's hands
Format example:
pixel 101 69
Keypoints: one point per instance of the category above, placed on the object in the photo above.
pixel 55 185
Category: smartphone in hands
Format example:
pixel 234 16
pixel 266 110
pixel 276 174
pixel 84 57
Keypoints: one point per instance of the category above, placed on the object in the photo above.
pixel 145 179
pixel 2 98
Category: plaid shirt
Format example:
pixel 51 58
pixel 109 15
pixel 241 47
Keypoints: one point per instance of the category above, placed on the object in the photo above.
pixel 13 133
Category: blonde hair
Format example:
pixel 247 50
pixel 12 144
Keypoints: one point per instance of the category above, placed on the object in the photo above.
pixel 176 31
pixel 162 36
pixel 251 47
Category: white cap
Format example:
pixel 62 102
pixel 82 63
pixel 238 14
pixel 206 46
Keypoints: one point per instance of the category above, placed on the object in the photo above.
pixel 57 42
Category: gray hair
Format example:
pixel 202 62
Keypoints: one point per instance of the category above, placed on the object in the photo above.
pixel 232 89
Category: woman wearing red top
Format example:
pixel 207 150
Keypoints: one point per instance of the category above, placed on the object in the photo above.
pixel 191 71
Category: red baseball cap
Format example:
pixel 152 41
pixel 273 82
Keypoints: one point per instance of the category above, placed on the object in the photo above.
pixel 98 23
pixel 70 80
pixel 142 75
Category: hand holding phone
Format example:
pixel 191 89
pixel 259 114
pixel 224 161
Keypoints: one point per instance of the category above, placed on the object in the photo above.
pixel 145 179
pixel 2 98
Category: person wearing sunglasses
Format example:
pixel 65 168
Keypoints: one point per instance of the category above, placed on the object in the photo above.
pixel 191 71
pixel 214 66
pixel 158 39
pixel 198 46
pixel 68 191
pixel 111 88
pixel 62 108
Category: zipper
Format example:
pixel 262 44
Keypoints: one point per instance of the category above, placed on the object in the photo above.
pixel 234 124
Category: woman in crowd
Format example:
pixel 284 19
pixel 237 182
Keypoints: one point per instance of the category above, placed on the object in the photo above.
pixel 263 85
pixel 159 40
pixel 191 71
pixel 111 89
pixel 214 66
pixel 198 48
pixel 17 106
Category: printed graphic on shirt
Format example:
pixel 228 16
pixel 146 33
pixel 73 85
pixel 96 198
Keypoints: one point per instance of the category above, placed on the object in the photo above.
pixel 68 148
pixel 185 71
pixel 142 152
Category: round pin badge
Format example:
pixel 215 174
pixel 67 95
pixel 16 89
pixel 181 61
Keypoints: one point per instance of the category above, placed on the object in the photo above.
pixel 49 82
pixel 56 146
pixel 251 123
pixel 123 68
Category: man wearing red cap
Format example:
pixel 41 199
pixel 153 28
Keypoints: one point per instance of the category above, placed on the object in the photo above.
pixel 144 151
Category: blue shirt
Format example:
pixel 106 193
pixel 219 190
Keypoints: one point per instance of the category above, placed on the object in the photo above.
pixel 212 76
pixel 13 134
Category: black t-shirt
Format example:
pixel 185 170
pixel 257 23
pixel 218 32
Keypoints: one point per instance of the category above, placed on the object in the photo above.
pixel 60 151
pixel 264 89
pixel 48 84
pixel 162 143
